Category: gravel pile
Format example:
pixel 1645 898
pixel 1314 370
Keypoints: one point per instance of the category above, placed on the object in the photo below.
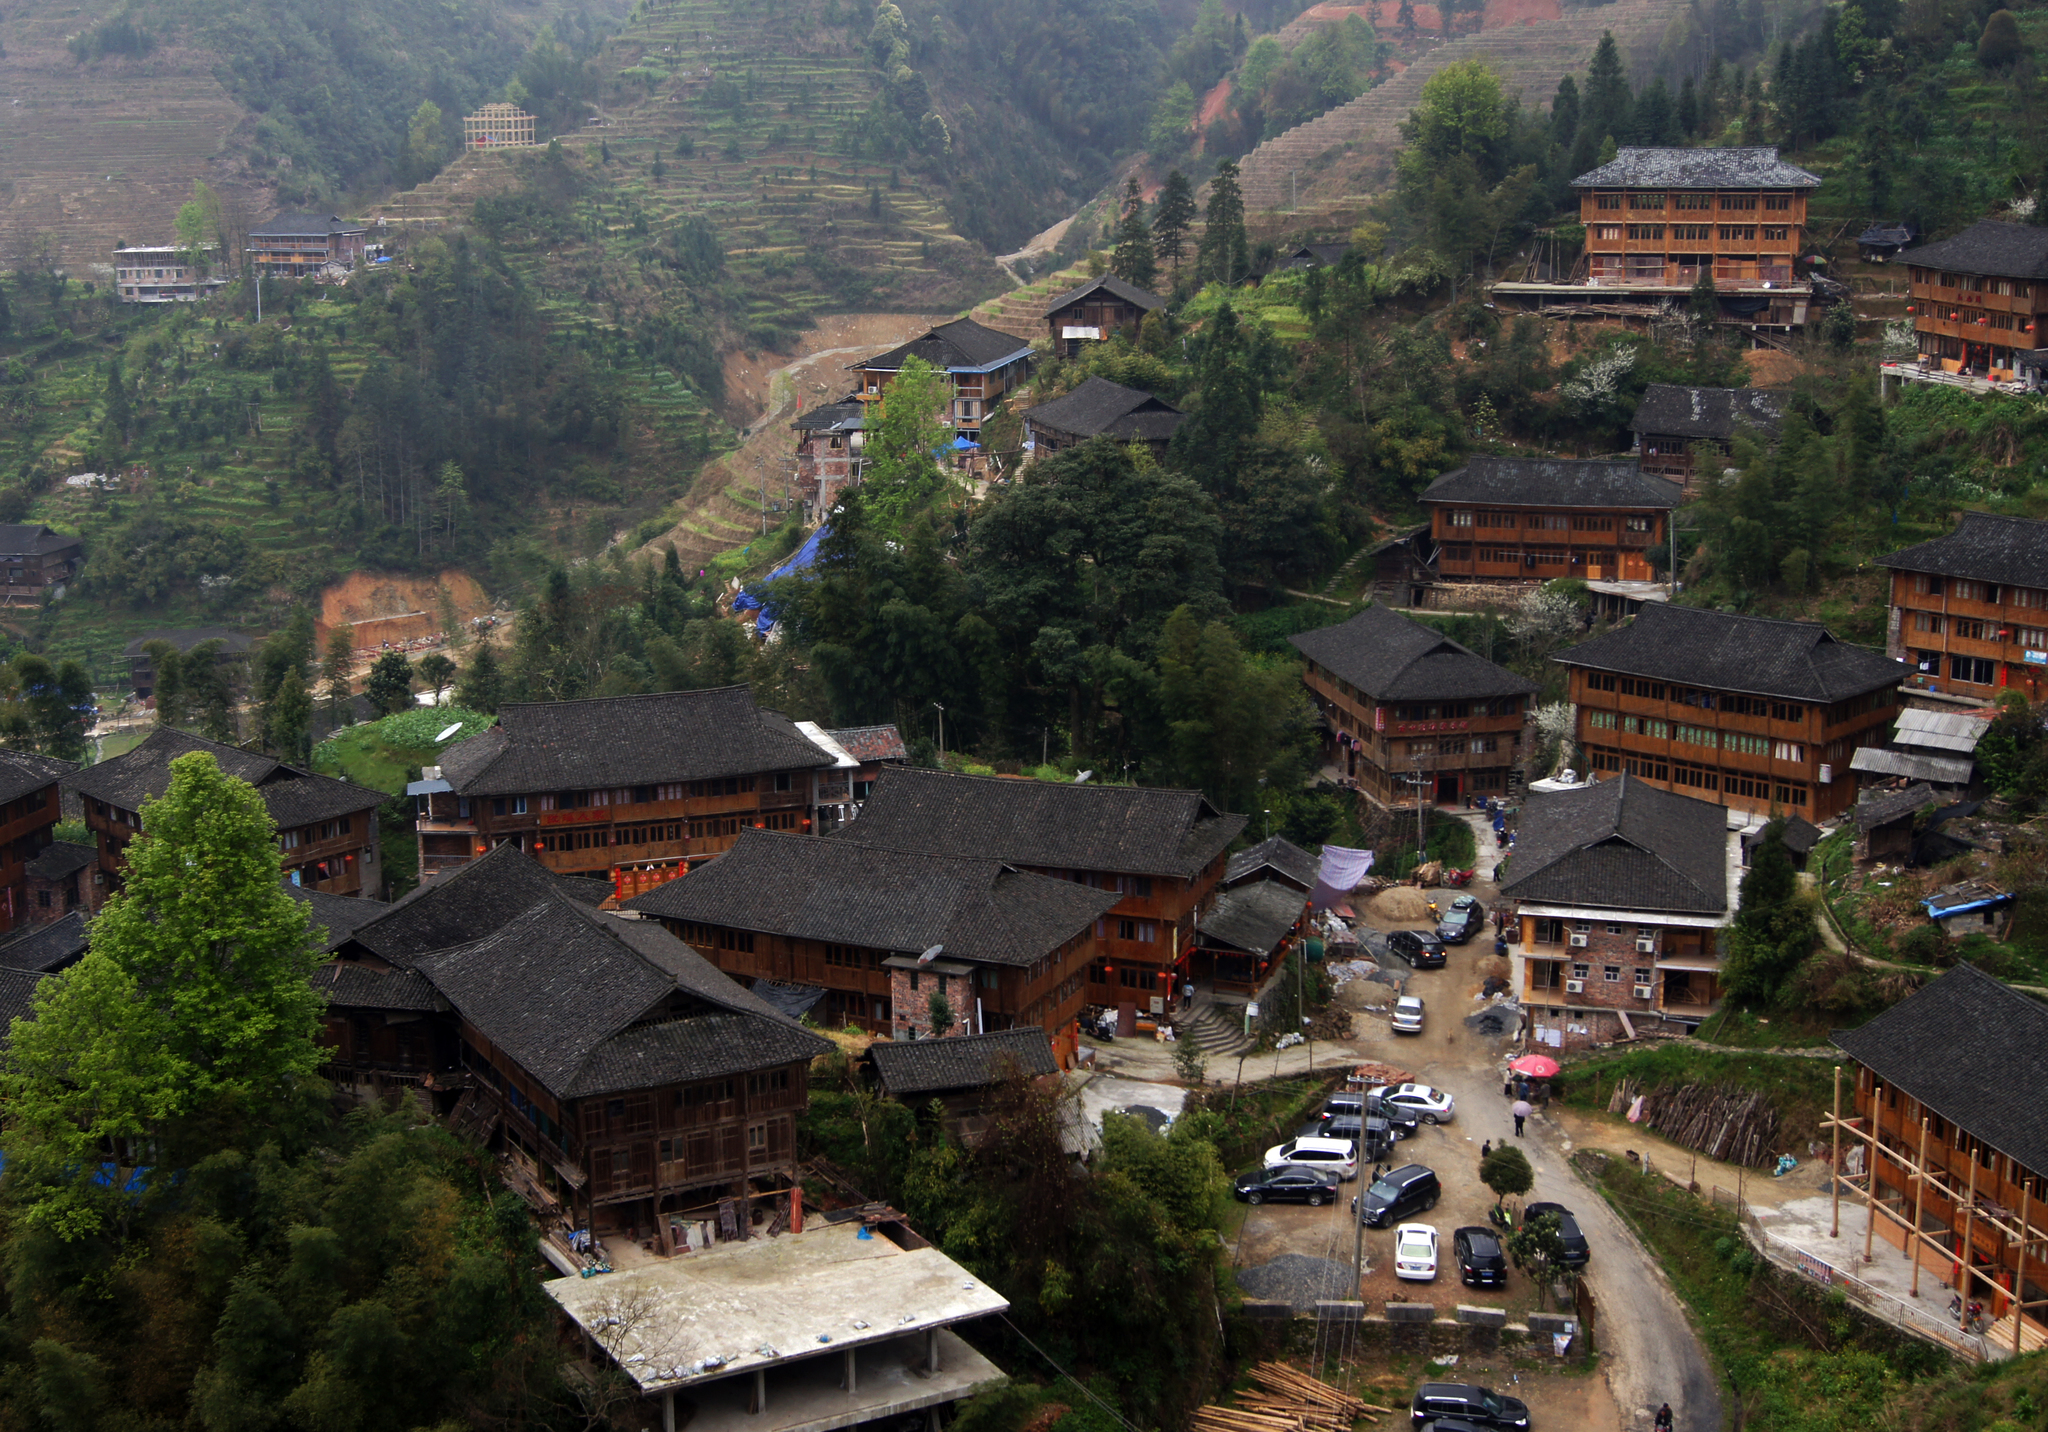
pixel 1496 1019
pixel 1299 1281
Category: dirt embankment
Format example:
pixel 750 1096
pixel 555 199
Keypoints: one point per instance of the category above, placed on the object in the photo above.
pixel 381 607
pixel 750 373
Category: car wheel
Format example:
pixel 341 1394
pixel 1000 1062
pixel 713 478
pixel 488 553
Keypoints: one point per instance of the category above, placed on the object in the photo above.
pixel 1315 1200
pixel 1255 1197
pixel 1429 1119
pixel 1432 1202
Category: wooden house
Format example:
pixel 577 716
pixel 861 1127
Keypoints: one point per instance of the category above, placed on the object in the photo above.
pixel 884 931
pixel 234 650
pixel 1100 408
pixel 982 364
pixel 1099 309
pixel 626 788
pixel 1275 858
pixel 167 273
pixel 36 558
pixel 859 755
pixel 1160 852
pixel 60 881
pixel 1313 256
pixel 828 451
pixel 293 245
pixel 1239 942
pixel 960 1074
pixel 1675 426
pixel 1502 519
pixel 1979 298
pixel 1408 713
pixel 1748 712
pixel 28 818
pixel 1969 611
pixel 1884 822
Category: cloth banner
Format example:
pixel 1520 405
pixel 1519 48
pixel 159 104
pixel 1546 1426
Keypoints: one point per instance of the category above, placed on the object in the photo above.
pixel 1339 874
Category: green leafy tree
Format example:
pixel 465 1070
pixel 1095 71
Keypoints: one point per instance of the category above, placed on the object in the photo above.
pixel 1506 1171
pixel 209 688
pixel 390 685
pixel 904 477
pixel 1173 118
pixel 58 704
pixel 290 727
pixel 1172 217
pixel 437 671
pixel 426 144
pixel 166 666
pixel 1774 929
pixel 1222 256
pixel 1538 1250
pixel 1233 726
pixel 483 685
pixel 201 227
pixel 191 1013
pixel 2000 44
pixel 1134 260
pixel 939 1010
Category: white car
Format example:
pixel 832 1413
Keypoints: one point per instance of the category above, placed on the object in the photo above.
pixel 1431 1106
pixel 1415 1252
pixel 1337 1156
pixel 1408 1014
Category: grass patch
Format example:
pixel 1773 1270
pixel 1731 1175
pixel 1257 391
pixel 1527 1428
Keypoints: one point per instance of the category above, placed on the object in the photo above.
pixel 1743 1029
pixel 1254 1117
pixel 1801 1090
pixel 379 754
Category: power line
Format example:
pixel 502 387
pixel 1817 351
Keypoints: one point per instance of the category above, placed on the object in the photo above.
pixel 1086 1391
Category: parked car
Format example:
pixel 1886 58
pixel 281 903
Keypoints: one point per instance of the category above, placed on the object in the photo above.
pixel 1374 1136
pixel 1576 1250
pixel 1431 1106
pixel 1293 1183
pixel 1461 922
pixel 1482 1263
pixel 1453 1424
pixel 1404 1119
pixel 1422 950
pixel 1339 1106
pixel 1408 1014
pixel 1337 1156
pixel 1480 1406
pixel 1415 1253
pixel 1411 1188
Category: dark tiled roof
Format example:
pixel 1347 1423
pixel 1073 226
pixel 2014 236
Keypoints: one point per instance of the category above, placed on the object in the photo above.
pixel 1883 807
pixel 1989 246
pixel 1136 830
pixel 340 915
pixel 1253 917
pixel 844 416
pixel 25 771
pixel 453 909
pixel 963 343
pixel 1109 283
pixel 61 858
pixel 627 741
pixel 1800 661
pixel 691 971
pixel 292 796
pixel 17 996
pixel 1317 255
pixel 349 985
pixel 1973 1050
pixel 1276 853
pixel 47 948
pixel 294 225
pixel 1395 658
pixel 1759 168
pixel 1553 482
pixel 847 893
pixel 871 743
pixel 1800 835
pixel 962 1061
pixel 1668 410
pixel 33 540
pixel 1100 407
pixel 1886 236
pixel 1622 845
pixel 1984 548
pixel 704 1046
pixel 233 643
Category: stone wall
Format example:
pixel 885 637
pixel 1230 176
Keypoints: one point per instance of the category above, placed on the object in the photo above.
pixel 1414 1329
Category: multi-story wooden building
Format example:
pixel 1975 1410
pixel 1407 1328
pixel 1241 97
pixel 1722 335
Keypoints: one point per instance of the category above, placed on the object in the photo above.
pixel 1979 298
pixel 1620 893
pixel 861 923
pixel 1100 309
pixel 1955 1144
pixel 35 558
pixel 294 245
pixel 1160 851
pixel 326 828
pixel 1757 714
pixel 1673 424
pixel 1969 611
pixel 640 786
pixel 1100 408
pixel 162 273
pixel 1410 714
pixel 1512 519
pixel 1656 220
pixel 28 817
pixel 982 363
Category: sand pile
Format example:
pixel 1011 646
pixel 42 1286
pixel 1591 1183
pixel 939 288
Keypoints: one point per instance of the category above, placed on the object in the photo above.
pixel 1403 902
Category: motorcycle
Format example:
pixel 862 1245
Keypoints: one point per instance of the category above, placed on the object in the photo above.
pixel 1460 878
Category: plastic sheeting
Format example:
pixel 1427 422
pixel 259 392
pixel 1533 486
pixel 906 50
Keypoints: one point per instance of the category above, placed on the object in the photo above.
pixel 806 556
pixel 1341 870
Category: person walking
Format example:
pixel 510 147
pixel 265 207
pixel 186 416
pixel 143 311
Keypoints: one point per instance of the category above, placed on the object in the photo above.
pixel 1485 1149
pixel 1521 1111
pixel 1664 1418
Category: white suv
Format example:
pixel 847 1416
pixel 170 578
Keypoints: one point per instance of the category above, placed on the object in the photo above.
pixel 1337 1156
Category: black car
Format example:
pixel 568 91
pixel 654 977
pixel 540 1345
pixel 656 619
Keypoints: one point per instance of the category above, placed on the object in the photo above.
pixel 1576 1251
pixel 1375 1137
pixel 1453 1424
pixel 1404 1119
pixel 1460 923
pixel 1481 1262
pixel 1479 1406
pixel 1288 1184
pixel 1423 951
pixel 1396 1194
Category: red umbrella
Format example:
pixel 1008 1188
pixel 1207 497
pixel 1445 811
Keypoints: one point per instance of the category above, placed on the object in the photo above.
pixel 1536 1066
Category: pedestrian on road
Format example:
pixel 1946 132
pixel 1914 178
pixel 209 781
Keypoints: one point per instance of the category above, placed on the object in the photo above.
pixel 1484 1150
pixel 1664 1418
pixel 1521 1112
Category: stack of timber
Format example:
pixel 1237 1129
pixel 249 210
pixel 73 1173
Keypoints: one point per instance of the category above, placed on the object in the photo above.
pixel 1734 1125
pixel 1287 1400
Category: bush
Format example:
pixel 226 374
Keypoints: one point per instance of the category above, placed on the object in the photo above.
pixel 2000 43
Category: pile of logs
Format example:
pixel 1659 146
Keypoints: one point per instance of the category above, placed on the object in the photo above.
pixel 1734 1125
pixel 1287 1400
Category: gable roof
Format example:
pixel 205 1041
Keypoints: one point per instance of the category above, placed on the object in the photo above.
pixel 962 344
pixel 1622 845
pixel 1883 807
pixel 60 858
pixel 1801 661
pixel 1253 917
pixel 293 797
pixel 32 539
pixel 298 224
pixel 25 771
pixel 1109 283
pixel 1757 168
pixel 1989 246
pixel 348 984
pixel 1973 1050
pixel 1100 407
pixel 1317 255
pixel 1670 410
pixel 467 903
pixel 1137 830
pixel 848 415
pixel 961 1061
pixel 1984 548
pixel 340 915
pixel 46 948
pixel 1553 482
pixel 843 892
pixel 17 996
pixel 233 643
pixel 1279 855
pixel 871 743
pixel 626 741
pixel 1392 657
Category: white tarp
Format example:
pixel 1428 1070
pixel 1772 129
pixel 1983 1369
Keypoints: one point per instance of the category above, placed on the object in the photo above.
pixel 1339 874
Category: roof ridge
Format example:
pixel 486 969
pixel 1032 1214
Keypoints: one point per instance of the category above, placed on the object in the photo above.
pixel 628 696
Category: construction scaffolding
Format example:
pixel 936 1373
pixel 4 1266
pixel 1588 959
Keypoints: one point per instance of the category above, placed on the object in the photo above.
pixel 497 126
pixel 2018 1233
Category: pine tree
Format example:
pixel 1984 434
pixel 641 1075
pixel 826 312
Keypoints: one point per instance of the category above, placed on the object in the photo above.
pixel 1655 121
pixel 1172 217
pixel 1223 240
pixel 1133 261
pixel 166 666
pixel 1688 109
pixel 1605 108
pixel 290 727
pixel 390 685
pixel 336 674
pixel 1564 113
pixel 482 686
pixel 209 687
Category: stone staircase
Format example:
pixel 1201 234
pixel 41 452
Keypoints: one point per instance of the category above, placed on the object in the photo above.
pixel 1346 148
pixel 1218 1030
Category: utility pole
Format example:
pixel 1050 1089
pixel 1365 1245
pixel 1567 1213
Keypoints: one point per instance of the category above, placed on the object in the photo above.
pixel 942 729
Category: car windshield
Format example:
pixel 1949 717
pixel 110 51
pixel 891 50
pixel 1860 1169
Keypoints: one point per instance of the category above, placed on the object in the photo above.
pixel 1384 1190
pixel 1493 1405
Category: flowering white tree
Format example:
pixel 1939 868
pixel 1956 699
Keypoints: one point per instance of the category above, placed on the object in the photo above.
pixel 1544 617
pixel 1554 726
pixel 1598 380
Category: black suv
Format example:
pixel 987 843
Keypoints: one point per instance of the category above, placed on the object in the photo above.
pixel 1396 1194
pixel 1422 950
pixel 1481 1264
pixel 1375 1137
pixel 1576 1250
pixel 1405 1120
pixel 1481 1406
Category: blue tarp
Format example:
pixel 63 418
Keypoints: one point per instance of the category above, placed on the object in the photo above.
pixel 805 556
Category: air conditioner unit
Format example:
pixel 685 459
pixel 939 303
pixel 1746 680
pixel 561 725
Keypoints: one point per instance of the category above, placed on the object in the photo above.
pixel 1579 941
pixel 1646 944
pixel 1574 986
pixel 1645 991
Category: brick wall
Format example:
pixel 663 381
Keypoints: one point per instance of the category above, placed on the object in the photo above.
pixel 910 1001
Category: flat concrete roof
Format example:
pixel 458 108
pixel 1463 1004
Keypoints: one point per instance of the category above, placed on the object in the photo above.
pixel 766 1303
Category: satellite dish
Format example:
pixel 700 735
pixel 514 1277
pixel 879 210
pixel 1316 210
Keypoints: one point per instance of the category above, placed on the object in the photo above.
pixel 1082 779
pixel 449 731
pixel 929 955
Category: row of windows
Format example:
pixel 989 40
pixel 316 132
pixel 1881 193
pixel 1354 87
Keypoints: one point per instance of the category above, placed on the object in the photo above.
pixel 1454 746
pixel 1653 768
pixel 1976 283
pixel 1977 670
pixel 1552 931
pixel 1457 710
pixel 1695 233
pixel 1706 700
pixel 717 937
pixel 1694 201
pixel 638 795
pixel 1144 932
pixel 1977 629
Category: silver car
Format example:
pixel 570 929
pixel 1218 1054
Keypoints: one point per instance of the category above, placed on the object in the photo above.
pixel 1408 1014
